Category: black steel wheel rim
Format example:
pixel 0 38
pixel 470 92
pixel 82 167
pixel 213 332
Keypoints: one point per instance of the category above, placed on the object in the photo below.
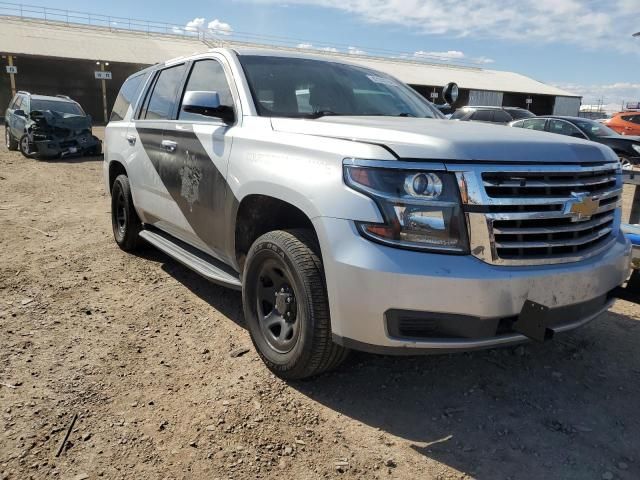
pixel 121 214
pixel 277 307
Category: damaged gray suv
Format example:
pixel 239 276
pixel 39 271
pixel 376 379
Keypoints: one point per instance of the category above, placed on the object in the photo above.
pixel 45 126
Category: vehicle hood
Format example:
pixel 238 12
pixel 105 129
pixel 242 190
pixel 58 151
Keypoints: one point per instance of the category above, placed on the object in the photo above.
pixel 425 138
pixel 53 119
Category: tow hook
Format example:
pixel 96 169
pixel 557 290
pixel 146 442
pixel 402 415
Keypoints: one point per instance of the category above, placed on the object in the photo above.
pixel 532 322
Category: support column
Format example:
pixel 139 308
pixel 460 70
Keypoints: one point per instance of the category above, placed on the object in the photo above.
pixel 12 76
pixel 104 94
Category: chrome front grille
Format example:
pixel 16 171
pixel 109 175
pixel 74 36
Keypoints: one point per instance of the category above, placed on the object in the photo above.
pixel 523 215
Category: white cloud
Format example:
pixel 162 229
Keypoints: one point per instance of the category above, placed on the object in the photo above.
pixel 304 45
pixel 219 27
pixel 613 96
pixel 592 24
pixel 329 49
pixel 195 25
pixel 216 26
pixel 356 51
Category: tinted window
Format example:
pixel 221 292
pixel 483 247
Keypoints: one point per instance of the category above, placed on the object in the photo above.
pixel 483 116
pixel 128 94
pixel 631 118
pixel 501 116
pixel 207 75
pixel 533 124
pixel 56 106
pixel 460 113
pixel 518 113
pixel 162 102
pixel 595 129
pixel 17 104
pixel 564 128
pixel 279 87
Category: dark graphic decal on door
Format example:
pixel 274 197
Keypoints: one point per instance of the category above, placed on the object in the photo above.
pixel 193 181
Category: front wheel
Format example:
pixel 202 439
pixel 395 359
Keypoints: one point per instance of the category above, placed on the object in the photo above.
pixel 286 306
pixel 26 147
pixel 626 163
pixel 124 219
pixel 11 142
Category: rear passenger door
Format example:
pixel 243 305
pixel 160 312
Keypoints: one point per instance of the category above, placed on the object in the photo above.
pixel 18 122
pixel 154 201
pixel 194 167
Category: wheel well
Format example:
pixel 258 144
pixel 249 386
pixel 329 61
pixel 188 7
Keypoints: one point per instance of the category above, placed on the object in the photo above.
pixel 115 169
pixel 259 214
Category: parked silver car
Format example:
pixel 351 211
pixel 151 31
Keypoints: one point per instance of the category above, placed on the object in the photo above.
pixel 350 217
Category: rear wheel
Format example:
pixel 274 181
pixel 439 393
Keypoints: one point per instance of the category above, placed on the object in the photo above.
pixel 11 142
pixel 124 219
pixel 286 307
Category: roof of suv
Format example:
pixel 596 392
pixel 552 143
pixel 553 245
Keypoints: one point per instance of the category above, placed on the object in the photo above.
pixel 492 107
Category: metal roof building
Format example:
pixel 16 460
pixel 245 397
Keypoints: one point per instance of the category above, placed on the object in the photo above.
pixel 62 56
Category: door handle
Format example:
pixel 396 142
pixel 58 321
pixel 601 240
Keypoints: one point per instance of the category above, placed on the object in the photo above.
pixel 131 139
pixel 169 145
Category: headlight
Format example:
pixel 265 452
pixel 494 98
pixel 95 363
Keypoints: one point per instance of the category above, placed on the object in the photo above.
pixel 421 208
pixel 636 147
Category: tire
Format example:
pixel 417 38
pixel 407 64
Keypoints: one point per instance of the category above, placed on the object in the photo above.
pixel 625 162
pixel 11 142
pixel 25 146
pixel 124 219
pixel 95 151
pixel 308 350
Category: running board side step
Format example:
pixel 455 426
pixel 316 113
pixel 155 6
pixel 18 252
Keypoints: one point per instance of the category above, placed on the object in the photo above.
pixel 201 263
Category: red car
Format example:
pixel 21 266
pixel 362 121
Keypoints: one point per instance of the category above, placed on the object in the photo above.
pixel 625 123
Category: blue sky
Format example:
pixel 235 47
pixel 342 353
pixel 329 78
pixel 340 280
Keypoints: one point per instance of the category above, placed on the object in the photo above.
pixel 581 45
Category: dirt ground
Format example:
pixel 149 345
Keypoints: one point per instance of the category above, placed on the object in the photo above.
pixel 145 353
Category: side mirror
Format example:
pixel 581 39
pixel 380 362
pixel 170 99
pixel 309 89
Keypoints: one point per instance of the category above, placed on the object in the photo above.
pixel 208 104
pixel 450 93
pixel 20 113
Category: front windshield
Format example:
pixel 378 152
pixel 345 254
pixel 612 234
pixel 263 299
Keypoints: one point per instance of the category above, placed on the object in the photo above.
pixel 594 129
pixel 306 88
pixel 56 106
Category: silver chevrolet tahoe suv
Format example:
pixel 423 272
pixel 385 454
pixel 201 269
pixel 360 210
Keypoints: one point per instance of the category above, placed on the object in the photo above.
pixel 351 216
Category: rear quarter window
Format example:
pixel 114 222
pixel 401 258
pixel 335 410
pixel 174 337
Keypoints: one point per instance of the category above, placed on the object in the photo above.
pixel 483 116
pixel 128 94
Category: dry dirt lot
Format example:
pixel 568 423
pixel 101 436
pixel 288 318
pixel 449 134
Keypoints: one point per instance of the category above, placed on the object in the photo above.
pixel 141 350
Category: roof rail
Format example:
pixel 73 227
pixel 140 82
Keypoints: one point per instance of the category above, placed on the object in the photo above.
pixel 24 92
pixel 64 96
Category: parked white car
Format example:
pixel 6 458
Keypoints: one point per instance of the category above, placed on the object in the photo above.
pixel 350 217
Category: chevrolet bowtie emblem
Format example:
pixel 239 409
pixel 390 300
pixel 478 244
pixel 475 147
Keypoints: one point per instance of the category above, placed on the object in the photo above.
pixel 581 207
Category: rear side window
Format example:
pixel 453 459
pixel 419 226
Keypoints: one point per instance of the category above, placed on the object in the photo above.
pixel 500 116
pixel 483 116
pixel 517 113
pixel 207 75
pixel 458 114
pixel 632 118
pixel 17 104
pixel 533 124
pixel 163 98
pixel 127 95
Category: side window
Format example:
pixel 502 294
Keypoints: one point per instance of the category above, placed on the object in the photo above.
pixel 127 95
pixel 564 128
pixel 207 75
pixel 632 118
pixel 163 98
pixel 17 103
pixel 534 124
pixel 501 117
pixel 483 116
pixel 459 113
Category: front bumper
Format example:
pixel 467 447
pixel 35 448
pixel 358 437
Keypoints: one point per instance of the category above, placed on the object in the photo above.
pixel 67 147
pixel 367 281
